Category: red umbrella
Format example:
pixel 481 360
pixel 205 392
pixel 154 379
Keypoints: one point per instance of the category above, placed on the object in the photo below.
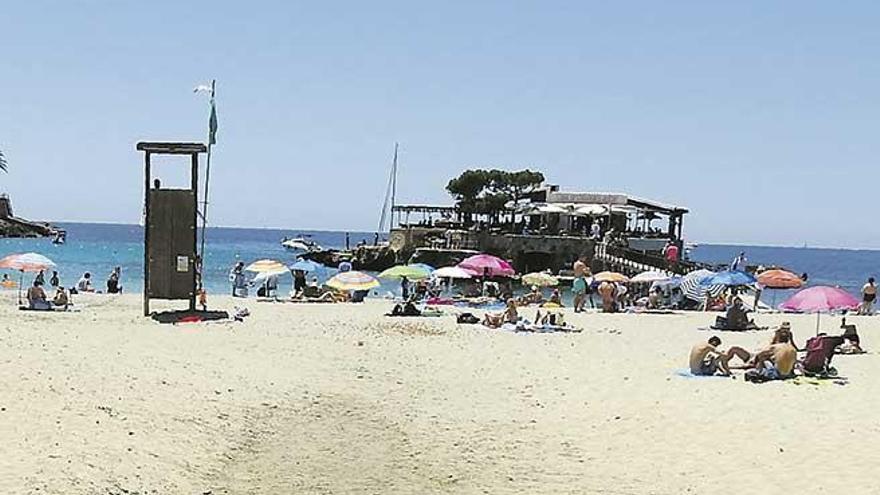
pixel 779 279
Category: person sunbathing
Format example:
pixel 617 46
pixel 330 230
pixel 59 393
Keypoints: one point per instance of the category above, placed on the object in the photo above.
pixel 405 309
pixel 706 359
pixel 509 315
pixel 37 298
pixel 533 297
pixel 61 299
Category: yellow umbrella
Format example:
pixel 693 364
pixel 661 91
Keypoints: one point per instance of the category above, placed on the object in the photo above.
pixel 541 279
pixel 352 280
pixel 610 277
pixel 267 267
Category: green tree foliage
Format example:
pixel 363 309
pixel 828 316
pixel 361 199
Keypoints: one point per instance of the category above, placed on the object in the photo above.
pixel 486 192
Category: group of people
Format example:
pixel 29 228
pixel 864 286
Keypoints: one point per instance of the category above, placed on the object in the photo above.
pixel 773 362
pixel 38 299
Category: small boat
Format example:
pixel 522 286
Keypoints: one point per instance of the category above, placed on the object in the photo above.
pixel 60 237
pixel 301 244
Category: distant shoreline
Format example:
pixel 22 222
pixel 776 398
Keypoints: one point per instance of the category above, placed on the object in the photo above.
pixel 356 233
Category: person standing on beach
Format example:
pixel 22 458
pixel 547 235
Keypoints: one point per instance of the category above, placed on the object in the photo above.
pixel 739 263
pixel 347 242
pixel 670 252
pixel 299 281
pixel 53 281
pixel 869 295
pixel 596 230
pixel 404 288
pixel 579 285
pixel 239 284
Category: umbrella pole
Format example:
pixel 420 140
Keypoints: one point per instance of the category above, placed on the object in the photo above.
pixel 20 281
pixel 818 315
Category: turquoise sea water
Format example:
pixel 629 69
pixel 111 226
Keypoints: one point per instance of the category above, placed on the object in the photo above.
pixel 96 248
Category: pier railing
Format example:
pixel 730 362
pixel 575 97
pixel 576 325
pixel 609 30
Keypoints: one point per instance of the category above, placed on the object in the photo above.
pixel 630 262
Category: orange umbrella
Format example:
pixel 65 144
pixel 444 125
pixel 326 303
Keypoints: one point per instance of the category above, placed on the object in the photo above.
pixel 780 279
pixel 610 277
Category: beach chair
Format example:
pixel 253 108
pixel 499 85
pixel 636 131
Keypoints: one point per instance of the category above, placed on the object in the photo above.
pixel 820 351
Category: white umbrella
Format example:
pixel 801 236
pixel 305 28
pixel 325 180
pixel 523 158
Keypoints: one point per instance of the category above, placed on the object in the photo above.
pixel 451 272
pixel 651 276
pixel 594 210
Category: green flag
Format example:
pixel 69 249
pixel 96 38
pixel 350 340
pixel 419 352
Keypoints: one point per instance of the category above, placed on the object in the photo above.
pixel 212 124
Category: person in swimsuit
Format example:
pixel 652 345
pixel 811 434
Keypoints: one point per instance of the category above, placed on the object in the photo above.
pixel 579 286
pixel 706 359
pixel 869 295
pixel 510 315
pixel 777 361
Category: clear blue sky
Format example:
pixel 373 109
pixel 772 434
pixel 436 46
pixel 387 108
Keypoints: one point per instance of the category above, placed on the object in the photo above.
pixel 762 117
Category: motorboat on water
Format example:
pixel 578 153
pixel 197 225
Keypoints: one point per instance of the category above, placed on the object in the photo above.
pixel 301 244
pixel 60 237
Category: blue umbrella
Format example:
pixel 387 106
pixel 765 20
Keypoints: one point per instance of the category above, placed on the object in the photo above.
pixel 730 278
pixel 424 266
pixel 306 266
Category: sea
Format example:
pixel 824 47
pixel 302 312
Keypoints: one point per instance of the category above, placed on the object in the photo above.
pixel 96 248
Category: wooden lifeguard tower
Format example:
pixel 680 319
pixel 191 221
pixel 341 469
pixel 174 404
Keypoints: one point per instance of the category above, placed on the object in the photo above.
pixel 170 236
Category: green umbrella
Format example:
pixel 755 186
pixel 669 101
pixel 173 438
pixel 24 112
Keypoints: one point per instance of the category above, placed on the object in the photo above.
pixel 412 272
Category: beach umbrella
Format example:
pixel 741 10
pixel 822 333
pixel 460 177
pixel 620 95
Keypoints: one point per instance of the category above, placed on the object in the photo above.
pixel 411 272
pixel 780 279
pixel 651 276
pixel 540 279
pixel 729 278
pixel 820 299
pixel 352 280
pixel 592 210
pixel 610 277
pixel 451 272
pixel 693 289
pixel 26 262
pixel 306 266
pixel 267 267
pixel 479 264
pixel 428 268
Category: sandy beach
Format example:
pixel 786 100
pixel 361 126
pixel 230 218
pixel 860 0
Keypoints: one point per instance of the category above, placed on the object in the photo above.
pixel 338 399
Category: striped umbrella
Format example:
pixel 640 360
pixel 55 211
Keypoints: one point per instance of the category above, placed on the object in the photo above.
pixel 27 262
pixel 693 289
pixel 352 280
pixel 267 267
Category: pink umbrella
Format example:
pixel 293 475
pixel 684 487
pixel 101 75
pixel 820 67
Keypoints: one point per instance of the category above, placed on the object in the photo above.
pixel 820 299
pixel 478 264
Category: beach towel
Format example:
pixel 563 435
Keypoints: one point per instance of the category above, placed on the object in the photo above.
pixel 686 373
pixel 550 329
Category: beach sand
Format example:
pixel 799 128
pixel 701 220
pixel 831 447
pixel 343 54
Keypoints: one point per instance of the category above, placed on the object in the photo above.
pixel 337 399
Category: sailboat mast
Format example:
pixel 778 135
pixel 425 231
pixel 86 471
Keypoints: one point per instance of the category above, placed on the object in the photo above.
pixel 393 187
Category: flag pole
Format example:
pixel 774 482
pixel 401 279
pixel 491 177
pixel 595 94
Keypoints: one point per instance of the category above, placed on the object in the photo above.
pixel 211 132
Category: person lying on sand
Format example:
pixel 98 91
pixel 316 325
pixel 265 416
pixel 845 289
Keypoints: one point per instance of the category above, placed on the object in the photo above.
pixel 509 315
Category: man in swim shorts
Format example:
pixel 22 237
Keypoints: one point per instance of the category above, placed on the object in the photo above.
pixel 706 359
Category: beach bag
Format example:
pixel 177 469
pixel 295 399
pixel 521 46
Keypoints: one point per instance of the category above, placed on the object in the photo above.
pixel 467 319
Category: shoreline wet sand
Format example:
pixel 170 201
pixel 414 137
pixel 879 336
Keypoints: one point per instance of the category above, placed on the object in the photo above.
pixel 338 399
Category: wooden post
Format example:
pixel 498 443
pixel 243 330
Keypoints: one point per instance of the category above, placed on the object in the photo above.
pixel 147 186
pixel 196 262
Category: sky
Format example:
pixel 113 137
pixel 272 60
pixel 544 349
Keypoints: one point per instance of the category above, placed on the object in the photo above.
pixel 761 117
